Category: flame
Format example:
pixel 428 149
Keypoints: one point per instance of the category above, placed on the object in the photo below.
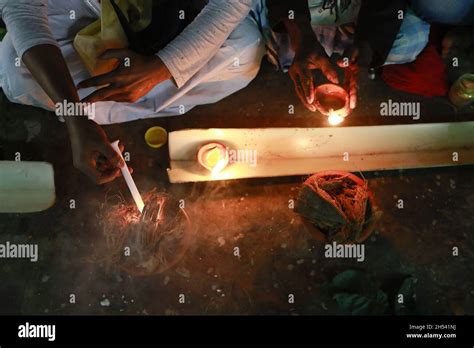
pixel 334 118
pixel 213 157
pixel 220 165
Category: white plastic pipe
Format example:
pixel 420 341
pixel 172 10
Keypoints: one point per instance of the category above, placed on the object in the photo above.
pixel 129 180
pixel 303 151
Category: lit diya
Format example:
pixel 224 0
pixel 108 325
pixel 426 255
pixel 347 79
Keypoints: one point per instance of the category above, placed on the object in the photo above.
pixel 214 157
pixel 333 101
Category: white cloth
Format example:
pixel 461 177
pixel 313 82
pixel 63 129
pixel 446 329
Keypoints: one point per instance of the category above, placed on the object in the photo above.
pixel 201 40
pixel 222 67
pixel 27 21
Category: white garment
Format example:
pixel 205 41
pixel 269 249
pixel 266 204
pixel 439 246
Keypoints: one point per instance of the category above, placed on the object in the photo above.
pixel 209 61
pixel 27 21
pixel 201 40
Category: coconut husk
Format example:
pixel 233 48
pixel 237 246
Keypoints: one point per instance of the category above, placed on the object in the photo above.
pixel 339 204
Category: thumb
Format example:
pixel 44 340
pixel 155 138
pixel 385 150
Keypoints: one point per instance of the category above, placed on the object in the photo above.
pixel 113 157
pixel 118 53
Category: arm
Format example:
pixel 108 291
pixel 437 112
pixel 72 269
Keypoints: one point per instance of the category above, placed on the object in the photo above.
pixel 92 152
pixel 294 18
pixel 27 22
pixel 179 60
pixel 309 56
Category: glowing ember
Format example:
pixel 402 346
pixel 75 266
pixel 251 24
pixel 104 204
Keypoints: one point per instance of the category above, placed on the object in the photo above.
pixel 214 157
pixel 147 243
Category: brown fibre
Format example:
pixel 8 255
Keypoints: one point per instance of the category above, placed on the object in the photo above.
pixel 339 204
pixel 147 243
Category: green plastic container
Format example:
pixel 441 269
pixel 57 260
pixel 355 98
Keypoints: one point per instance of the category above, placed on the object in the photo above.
pixel 462 91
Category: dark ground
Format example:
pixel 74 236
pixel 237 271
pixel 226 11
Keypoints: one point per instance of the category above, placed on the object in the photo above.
pixel 279 255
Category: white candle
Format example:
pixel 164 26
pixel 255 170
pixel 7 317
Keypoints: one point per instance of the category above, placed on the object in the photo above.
pixel 129 180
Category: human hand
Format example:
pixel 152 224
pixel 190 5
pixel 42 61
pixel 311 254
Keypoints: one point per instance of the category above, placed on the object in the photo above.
pixel 128 82
pixel 310 57
pixel 93 154
pixel 350 64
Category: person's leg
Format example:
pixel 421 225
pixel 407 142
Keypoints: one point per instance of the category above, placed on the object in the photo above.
pixel 456 12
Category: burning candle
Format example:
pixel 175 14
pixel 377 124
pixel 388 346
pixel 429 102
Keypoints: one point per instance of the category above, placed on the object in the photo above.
pixel 214 157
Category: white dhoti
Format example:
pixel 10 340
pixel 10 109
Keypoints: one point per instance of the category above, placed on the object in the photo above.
pixel 233 67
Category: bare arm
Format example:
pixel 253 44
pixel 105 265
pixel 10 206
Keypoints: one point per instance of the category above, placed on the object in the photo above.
pixel 309 56
pixel 92 152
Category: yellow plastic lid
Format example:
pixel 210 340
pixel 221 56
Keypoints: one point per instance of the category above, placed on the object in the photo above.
pixel 156 137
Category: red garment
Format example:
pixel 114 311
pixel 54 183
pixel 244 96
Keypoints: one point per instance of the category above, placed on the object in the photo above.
pixel 427 75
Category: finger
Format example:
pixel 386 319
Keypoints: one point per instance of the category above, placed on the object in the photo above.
pixel 104 167
pixel 102 94
pixel 114 159
pixel 329 72
pixel 118 53
pixel 100 80
pixel 302 97
pixel 342 63
pixel 130 169
pixel 353 89
pixel 353 94
pixel 108 176
pixel 350 58
pixel 307 83
pixel 355 55
pixel 295 76
pixel 353 99
pixel 92 173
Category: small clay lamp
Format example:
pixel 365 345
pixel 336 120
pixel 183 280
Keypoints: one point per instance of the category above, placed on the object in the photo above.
pixel 214 157
pixel 332 101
